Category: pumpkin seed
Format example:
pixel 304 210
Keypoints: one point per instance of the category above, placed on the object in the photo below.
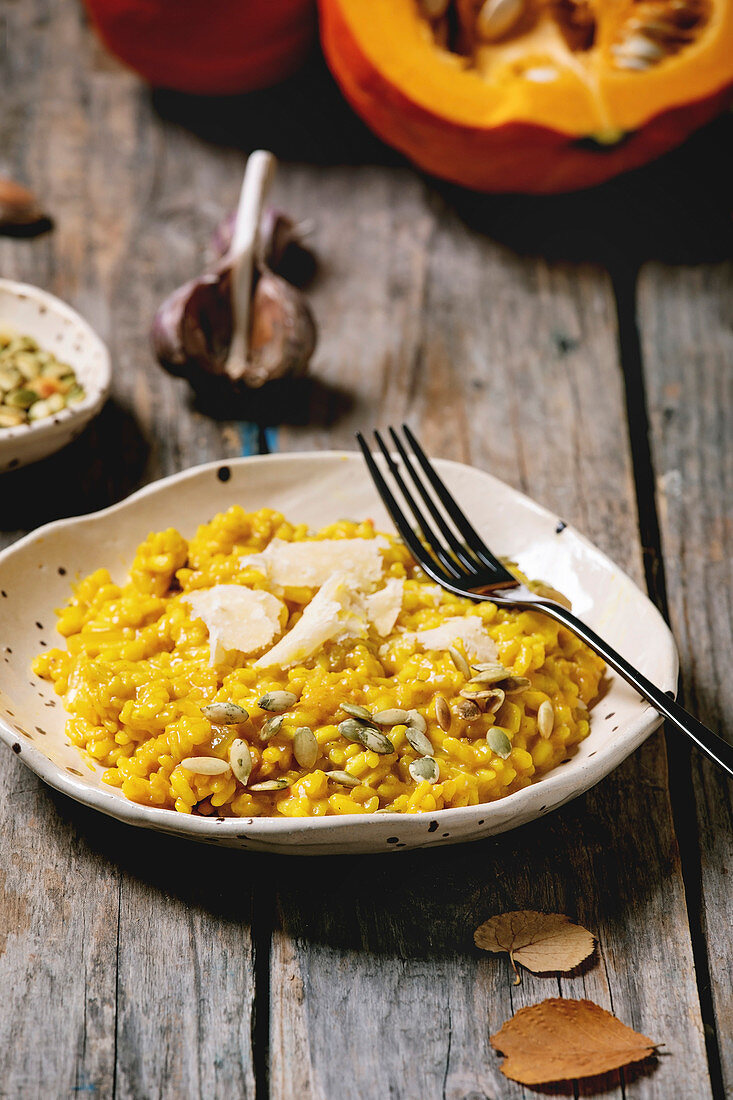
pixel 514 684
pixel 499 743
pixel 225 714
pixel 419 741
pixel 468 710
pixel 205 765
pixel 496 17
pixel 392 718
pixel 639 46
pixel 434 9
pixel 490 675
pixel 240 759
pixel 277 701
pixel 21 399
pixel 305 747
pixel 375 741
pixel 425 769
pixel 476 694
pixel 416 721
pixel 358 712
pixel 50 405
pixel 545 718
pixel 459 661
pixel 494 700
pixel 351 729
pixel 270 785
pixel 344 778
pixel 442 713
pixel 271 727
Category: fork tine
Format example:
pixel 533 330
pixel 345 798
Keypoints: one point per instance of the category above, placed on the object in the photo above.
pixel 400 520
pixel 459 549
pixel 471 536
pixel 448 563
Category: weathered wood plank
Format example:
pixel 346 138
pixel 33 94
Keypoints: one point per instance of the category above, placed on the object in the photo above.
pixel 505 362
pixel 688 350
pixel 127 961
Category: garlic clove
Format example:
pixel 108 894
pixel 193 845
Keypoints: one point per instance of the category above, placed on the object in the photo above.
pixel 281 245
pixel 282 332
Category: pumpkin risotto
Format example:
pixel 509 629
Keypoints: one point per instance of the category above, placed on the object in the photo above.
pixel 260 669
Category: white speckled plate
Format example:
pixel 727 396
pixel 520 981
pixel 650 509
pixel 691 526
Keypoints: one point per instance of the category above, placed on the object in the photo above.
pixel 318 488
pixel 30 311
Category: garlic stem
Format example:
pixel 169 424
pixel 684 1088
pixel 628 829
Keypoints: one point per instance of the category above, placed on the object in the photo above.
pixel 258 176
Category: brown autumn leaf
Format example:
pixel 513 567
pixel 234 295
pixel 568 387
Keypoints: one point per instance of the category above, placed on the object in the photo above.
pixel 540 941
pixel 559 1040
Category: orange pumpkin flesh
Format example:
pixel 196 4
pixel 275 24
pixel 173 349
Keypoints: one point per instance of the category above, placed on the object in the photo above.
pixel 550 106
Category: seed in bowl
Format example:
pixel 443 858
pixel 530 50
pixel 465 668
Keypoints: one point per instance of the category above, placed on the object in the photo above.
pixel 34 384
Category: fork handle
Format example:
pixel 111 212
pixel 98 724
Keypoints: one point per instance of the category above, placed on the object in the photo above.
pixel 714 747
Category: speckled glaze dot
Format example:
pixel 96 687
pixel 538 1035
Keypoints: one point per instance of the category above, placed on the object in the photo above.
pixel 223 473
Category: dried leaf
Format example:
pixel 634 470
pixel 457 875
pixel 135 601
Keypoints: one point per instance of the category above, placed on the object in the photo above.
pixel 540 941
pixel 559 1040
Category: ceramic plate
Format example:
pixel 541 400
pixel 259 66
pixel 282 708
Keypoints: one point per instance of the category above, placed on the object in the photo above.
pixel 30 311
pixel 318 488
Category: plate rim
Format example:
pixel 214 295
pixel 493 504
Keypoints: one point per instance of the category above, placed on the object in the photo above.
pixel 262 829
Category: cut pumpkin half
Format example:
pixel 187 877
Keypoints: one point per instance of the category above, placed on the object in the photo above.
pixel 531 95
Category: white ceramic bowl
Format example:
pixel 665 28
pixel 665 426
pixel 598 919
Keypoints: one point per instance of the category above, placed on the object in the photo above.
pixel 30 311
pixel 318 488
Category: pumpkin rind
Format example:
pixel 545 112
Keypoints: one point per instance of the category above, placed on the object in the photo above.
pixel 207 47
pixel 456 127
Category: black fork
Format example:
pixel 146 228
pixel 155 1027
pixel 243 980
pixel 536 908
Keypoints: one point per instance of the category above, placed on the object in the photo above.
pixel 452 552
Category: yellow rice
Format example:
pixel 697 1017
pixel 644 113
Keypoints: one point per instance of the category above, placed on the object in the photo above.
pixel 135 674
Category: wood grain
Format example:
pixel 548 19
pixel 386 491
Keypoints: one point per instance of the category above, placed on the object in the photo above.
pixel 134 965
pixel 688 351
pixel 505 362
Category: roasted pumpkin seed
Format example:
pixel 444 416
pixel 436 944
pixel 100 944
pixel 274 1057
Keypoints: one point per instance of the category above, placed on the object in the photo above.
pixel 240 759
pixel 277 701
pixel 392 718
pixel 416 721
pixel 356 711
pixel 499 743
pixel 270 785
pixel 459 661
pixel 344 778
pixel 545 718
pixel 375 741
pixel 419 741
pixel 442 713
pixel 271 727
pixel 225 714
pixel 426 768
pixel 351 729
pixel 305 747
pixel 468 710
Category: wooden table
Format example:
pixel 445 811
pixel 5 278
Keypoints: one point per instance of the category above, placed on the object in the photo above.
pixel 576 347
